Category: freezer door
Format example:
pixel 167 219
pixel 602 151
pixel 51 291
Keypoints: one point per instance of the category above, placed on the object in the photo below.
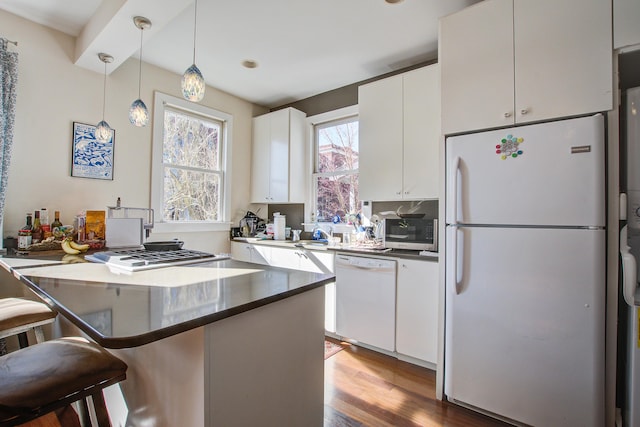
pixel 552 174
pixel 525 322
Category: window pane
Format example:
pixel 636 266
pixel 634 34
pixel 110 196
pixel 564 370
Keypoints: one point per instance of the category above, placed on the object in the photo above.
pixel 337 146
pixel 191 195
pixel 337 195
pixel 190 141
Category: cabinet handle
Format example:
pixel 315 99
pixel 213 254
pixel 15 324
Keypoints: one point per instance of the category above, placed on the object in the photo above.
pixel 398 193
pixel 406 192
pixel 524 111
pixel 507 115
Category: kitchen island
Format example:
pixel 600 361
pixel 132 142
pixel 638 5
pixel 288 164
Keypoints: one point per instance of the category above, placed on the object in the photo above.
pixel 220 343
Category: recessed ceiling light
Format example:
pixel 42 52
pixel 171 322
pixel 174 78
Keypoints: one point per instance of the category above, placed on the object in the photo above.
pixel 394 1
pixel 249 63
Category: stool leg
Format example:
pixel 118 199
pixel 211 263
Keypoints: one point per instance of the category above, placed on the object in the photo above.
pixel 39 334
pixel 83 413
pixel 3 347
pixel 23 340
pixel 101 409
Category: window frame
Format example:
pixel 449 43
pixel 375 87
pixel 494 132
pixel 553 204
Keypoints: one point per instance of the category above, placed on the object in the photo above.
pixel 163 101
pixel 344 113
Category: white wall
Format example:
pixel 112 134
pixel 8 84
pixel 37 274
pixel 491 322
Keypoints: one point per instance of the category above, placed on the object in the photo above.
pixel 53 93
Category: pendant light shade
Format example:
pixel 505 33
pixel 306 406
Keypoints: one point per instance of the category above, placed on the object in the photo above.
pixel 138 112
pixel 192 81
pixel 103 132
pixel 193 84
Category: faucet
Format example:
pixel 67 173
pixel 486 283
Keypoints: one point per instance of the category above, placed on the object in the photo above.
pixel 318 232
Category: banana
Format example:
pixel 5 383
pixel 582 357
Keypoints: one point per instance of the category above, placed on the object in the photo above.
pixel 68 249
pixel 81 248
pixel 72 259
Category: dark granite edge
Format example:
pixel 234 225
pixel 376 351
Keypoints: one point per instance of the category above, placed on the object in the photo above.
pixel 156 335
pixel 394 253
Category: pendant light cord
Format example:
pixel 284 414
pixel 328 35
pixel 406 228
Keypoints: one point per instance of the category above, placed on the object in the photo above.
pixel 104 90
pixel 140 67
pixel 195 24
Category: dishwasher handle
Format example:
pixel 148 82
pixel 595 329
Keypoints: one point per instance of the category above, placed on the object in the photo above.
pixel 365 263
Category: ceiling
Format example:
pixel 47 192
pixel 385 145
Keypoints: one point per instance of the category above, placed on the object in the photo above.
pixel 302 47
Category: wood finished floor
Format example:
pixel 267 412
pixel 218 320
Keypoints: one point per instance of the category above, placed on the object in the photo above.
pixel 366 388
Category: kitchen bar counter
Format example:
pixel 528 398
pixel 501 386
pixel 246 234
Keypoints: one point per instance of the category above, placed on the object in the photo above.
pixel 206 344
pixel 164 301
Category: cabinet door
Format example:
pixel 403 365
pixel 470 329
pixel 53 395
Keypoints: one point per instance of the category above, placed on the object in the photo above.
pixel 380 146
pixel 241 251
pixel 299 173
pixel 417 312
pixel 563 60
pixel 250 253
pixel 476 66
pixel 626 31
pixel 316 261
pixel 421 93
pixel 260 159
pixel 279 156
pixel 285 258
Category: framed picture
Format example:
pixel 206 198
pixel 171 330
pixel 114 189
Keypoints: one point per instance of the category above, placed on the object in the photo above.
pixel 90 158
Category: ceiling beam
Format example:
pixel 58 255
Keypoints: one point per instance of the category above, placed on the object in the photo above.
pixel 111 30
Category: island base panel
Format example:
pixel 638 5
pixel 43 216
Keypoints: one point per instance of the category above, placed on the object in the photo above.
pixel 266 366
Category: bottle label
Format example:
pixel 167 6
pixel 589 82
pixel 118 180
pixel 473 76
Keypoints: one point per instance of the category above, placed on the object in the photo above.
pixel 24 242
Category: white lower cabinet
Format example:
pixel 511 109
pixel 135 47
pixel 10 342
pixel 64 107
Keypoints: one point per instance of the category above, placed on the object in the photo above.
pixel 416 327
pixel 250 253
pixel 296 259
pixel 417 309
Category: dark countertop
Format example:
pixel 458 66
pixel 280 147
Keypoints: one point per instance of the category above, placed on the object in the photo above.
pixel 121 310
pixel 313 246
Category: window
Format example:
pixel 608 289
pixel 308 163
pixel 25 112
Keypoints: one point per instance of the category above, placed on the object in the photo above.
pixel 335 177
pixel 189 157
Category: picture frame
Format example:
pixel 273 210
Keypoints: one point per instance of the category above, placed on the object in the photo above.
pixel 90 158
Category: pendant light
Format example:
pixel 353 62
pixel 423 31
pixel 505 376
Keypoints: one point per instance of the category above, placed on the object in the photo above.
pixel 192 81
pixel 138 113
pixel 103 132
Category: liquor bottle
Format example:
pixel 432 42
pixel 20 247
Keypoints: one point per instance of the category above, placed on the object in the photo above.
pixel 56 221
pixel 24 234
pixel 44 216
pixel 36 233
pixel 44 221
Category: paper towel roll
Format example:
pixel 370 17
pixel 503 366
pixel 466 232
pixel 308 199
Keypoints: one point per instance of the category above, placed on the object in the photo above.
pixel 279 222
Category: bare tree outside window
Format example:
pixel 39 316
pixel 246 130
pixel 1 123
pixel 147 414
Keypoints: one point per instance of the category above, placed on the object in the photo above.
pixel 191 162
pixel 336 170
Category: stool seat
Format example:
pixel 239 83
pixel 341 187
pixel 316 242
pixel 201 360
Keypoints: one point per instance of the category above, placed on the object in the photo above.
pixel 44 377
pixel 19 315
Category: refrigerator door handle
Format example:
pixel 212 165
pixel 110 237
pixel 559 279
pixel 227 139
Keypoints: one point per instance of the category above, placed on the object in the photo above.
pixel 456 273
pixel 629 270
pixel 453 191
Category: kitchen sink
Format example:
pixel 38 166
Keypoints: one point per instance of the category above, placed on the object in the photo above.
pixel 310 243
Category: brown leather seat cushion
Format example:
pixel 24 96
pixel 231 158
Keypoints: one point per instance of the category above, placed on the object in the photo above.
pixel 43 373
pixel 16 312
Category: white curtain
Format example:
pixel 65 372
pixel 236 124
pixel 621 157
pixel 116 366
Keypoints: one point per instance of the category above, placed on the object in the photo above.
pixel 8 83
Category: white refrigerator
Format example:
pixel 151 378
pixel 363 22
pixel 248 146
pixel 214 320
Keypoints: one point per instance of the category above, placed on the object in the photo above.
pixel 630 253
pixel 525 272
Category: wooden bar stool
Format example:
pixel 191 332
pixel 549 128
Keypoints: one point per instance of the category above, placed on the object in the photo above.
pixel 18 316
pixel 45 377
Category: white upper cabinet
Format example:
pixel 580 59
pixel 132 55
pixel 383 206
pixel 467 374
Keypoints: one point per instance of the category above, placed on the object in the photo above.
pixel 399 135
pixel 504 62
pixel 278 157
pixel 626 31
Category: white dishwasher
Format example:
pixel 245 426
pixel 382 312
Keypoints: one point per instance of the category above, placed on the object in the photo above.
pixel 366 300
